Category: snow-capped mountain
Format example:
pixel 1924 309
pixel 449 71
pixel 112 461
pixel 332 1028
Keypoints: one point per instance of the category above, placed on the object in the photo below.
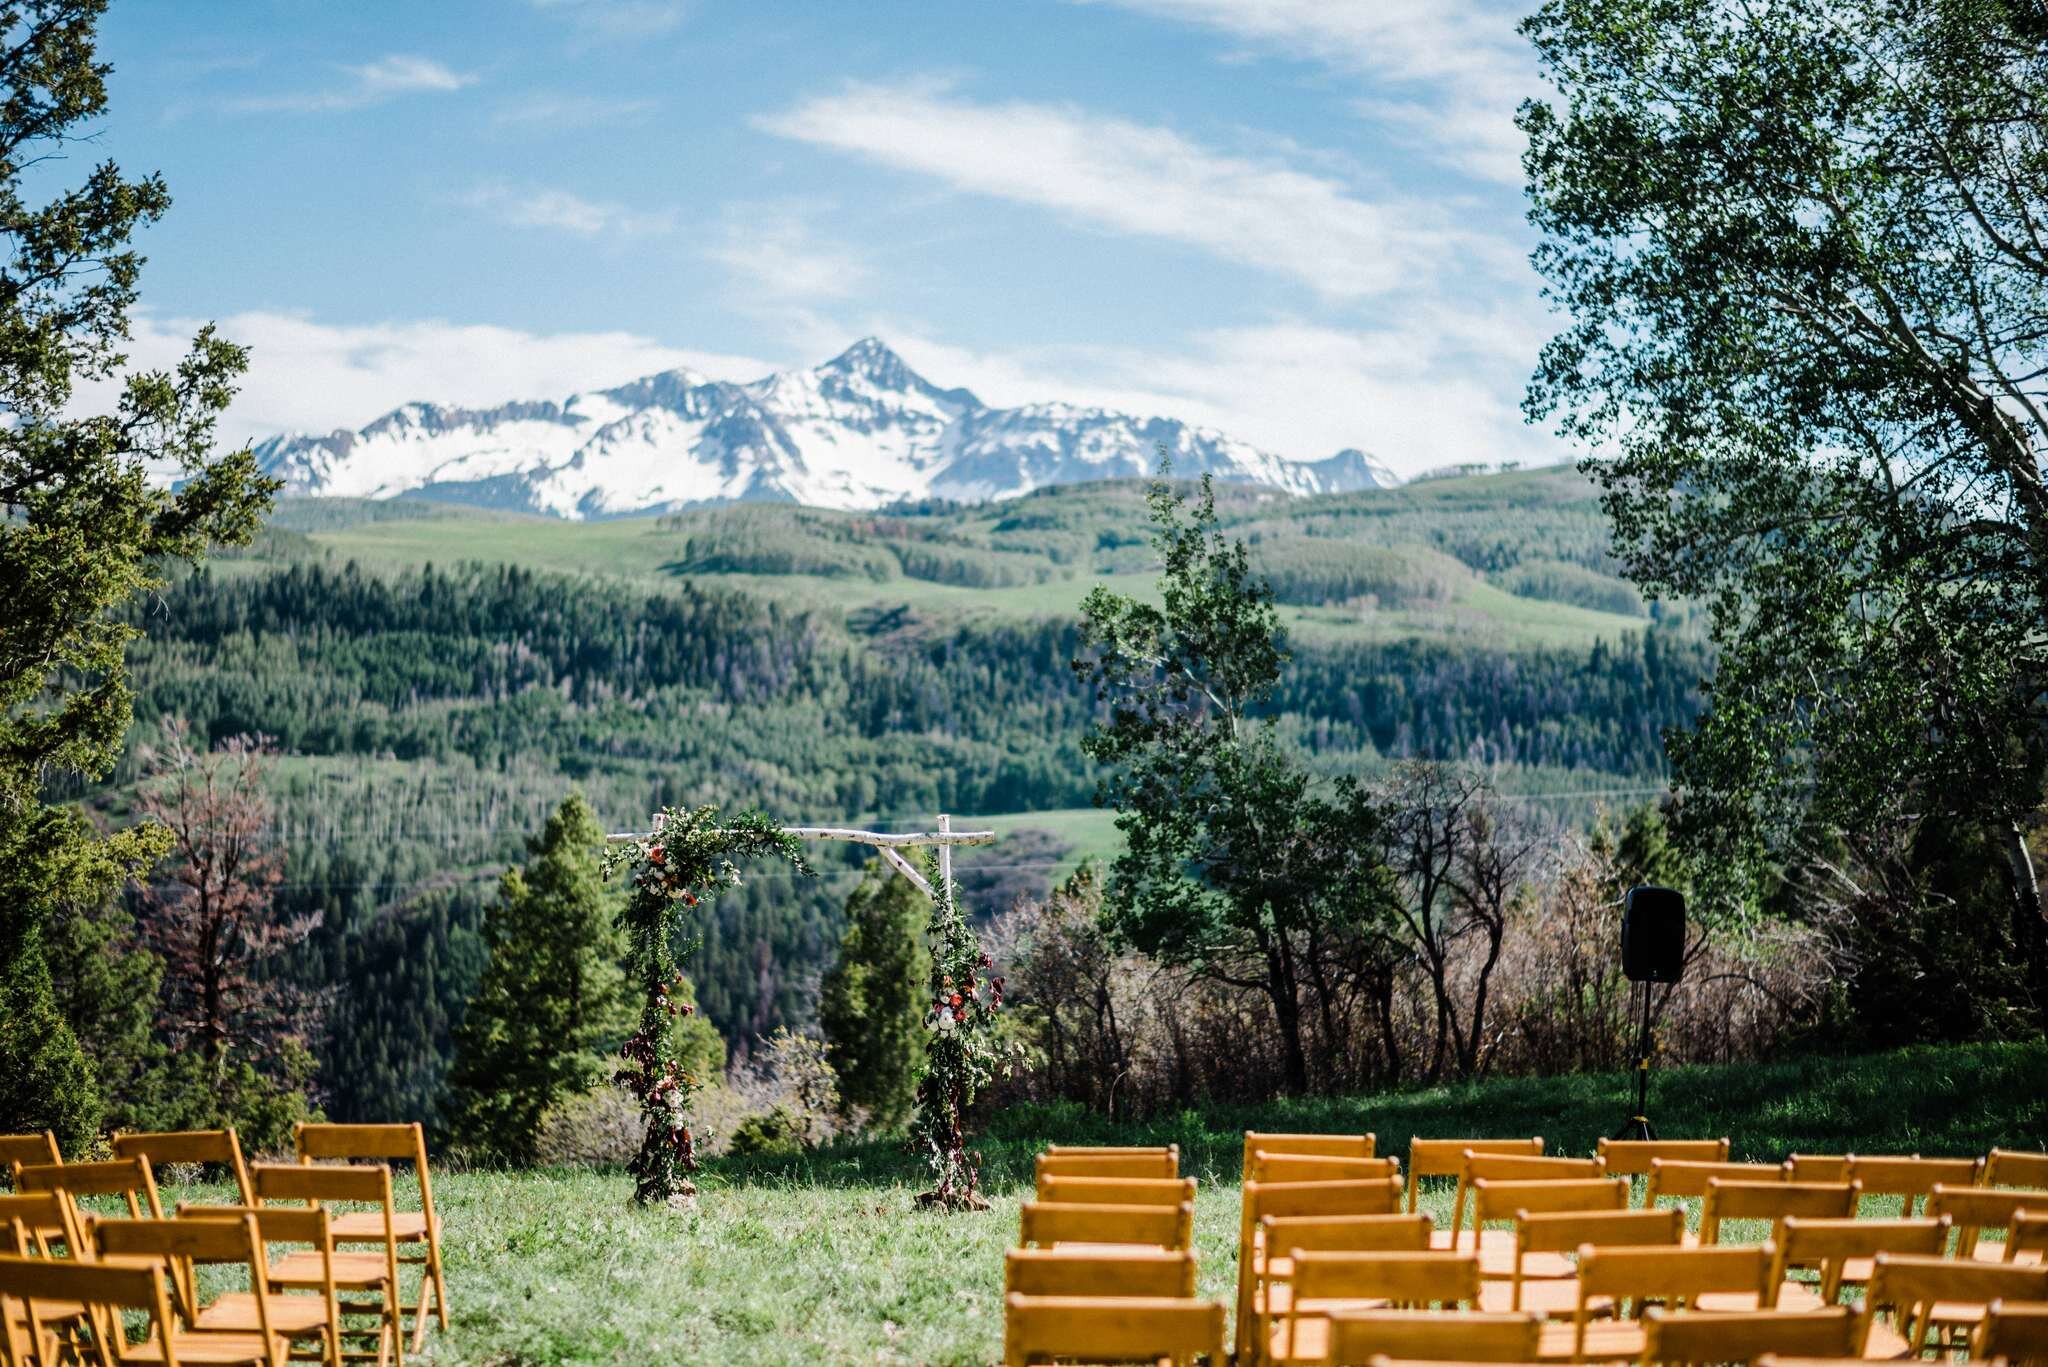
pixel 859 431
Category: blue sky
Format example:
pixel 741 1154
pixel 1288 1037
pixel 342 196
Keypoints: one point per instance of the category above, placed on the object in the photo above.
pixel 1296 220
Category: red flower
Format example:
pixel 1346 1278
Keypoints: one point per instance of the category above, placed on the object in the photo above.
pixel 654 854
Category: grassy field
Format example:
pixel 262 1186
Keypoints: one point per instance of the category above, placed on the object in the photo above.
pixel 823 1259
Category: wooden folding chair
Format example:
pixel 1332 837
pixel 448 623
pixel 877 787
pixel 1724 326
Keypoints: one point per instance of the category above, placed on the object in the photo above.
pixel 1560 1233
pixel 1912 1179
pixel 128 1178
pixel 1632 1157
pixel 1446 1158
pixel 1681 1180
pixel 1773 1201
pixel 1117 1191
pixel 1046 1224
pixel 1480 1166
pixel 29 1150
pixel 1842 1250
pixel 112 1294
pixel 370 1274
pixel 1496 1201
pixel 1974 1210
pixel 1307 1167
pixel 18 1240
pixel 210 1148
pixel 184 1246
pixel 2016 1168
pixel 1359 1336
pixel 1743 1336
pixel 1099 1272
pixel 1325 1282
pixel 1325 1199
pixel 47 1221
pixel 1307 1145
pixel 1042 1328
pixel 1281 1235
pixel 2015 1334
pixel 1162 1163
pixel 1619 1282
pixel 1942 1299
pixel 313 1311
pixel 385 1143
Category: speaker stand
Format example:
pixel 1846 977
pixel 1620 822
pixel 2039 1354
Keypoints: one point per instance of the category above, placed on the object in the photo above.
pixel 1639 1126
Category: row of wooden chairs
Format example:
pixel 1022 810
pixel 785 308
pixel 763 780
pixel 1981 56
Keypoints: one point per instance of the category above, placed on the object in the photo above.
pixel 1105 1267
pixel 397 1237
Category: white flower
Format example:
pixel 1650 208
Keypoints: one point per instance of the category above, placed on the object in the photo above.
pixel 946 1021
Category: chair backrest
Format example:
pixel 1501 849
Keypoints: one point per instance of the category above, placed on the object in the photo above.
pixel 1975 1209
pixel 1741 1336
pixel 1682 1179
pixel 2016 1168
pixel 1818 1167
pixel 1116 1330
pixel 1911 1177
pixel 1412 1280
pixel 1112 1150
pixel 1378 1197
pixel 1773 1201
pixel 1565 1231
pixel 1632 1157
pixel 1117 1191
pixel 1358 1336
pixel 1494 1200
pixel 1675 1276
pixel 217 1148
pixel 1099 1272
pixel 1348 1233
pixel 1306 1167
pixel 28 1149
pixel 1148 1165
pixel 1307 1146
pixel 1907 1285
pixel 1829 1244
pixel 128 1178
pixel 45 1217
pixel 1046 1223
pixel 2016 1333
pixel 2028 1233
pixel 108 1292
pixel 1516 1167
pixel 1446 1157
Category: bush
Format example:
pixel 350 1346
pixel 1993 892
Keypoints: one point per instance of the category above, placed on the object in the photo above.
pixel 773 1133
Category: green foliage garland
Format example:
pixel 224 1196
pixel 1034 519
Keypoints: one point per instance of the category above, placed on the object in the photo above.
pixel 687 860
pixel 961 1057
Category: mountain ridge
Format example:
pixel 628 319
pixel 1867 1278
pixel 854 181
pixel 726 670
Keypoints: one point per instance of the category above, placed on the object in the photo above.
pixel 862 430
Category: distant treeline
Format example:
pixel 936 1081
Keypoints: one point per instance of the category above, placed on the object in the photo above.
pixel 428 719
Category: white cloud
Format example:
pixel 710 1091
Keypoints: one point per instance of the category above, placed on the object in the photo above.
pixel 387 78
pixel 305 375
pixel 571 111
pixel 1134 179
pixel 775 257
pixel 562 211
pixel 1465 67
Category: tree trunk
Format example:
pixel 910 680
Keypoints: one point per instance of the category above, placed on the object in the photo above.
pixel 2030 932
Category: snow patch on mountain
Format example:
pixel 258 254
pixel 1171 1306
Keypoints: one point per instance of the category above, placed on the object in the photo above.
pixel 859 431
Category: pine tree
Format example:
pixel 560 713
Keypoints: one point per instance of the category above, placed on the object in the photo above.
pixel 84 527
pixel 552 1001
pixel 872 1002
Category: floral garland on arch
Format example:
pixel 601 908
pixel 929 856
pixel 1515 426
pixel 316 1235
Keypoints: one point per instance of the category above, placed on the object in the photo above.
pixel 961 1055
pixel 685 862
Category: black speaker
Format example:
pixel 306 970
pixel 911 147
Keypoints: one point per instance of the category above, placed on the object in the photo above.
pixel 1653 935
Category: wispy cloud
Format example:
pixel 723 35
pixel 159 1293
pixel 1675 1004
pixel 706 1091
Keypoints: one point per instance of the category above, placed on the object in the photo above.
pixel 305 375
pixel 371 83
pixel 524 206
pixel 775 256
pixel 619 18
pixel 1135 179
pixel 1460 69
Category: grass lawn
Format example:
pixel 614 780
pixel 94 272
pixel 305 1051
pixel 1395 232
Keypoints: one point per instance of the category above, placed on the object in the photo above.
pixel 823 1259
